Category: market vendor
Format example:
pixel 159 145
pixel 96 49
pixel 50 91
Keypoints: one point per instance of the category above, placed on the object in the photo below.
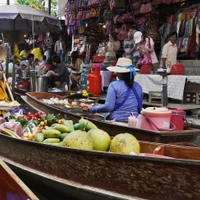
pixel 21 72
pixel 124 96
pixel 76 67
pixel 60 74
pixel 3 94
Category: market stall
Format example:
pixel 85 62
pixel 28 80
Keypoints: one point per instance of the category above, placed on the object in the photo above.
pixel 175 84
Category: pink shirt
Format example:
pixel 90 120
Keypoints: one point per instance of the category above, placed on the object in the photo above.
pixel 152 54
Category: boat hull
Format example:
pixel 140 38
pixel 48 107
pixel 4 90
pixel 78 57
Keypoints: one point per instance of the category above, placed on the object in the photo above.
pixel 188 135
pixel 133 176
pixel 11 186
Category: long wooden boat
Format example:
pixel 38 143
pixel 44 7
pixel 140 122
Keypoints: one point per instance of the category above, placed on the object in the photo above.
pixel 187 135
pixel 11 186
pixel 82 174
pixel 19 91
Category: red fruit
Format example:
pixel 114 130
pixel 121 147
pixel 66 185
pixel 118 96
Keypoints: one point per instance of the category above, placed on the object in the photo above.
pixel 30 113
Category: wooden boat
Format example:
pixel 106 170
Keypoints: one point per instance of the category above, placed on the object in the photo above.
pixel 92 175
pixel 19 91
pixel 187 135
pixel 12 186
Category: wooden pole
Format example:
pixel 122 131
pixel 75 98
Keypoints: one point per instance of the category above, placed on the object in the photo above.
pixel 8 88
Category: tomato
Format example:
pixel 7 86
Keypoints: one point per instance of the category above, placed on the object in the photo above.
pixel 28 118
pixel 34 118
pixel 30 114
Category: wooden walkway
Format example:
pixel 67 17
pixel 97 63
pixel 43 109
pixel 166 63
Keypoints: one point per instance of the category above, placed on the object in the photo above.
pixel 173 105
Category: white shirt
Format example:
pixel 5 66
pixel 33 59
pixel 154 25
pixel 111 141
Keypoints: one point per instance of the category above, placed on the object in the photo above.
pixel 61 46
pixel 47 54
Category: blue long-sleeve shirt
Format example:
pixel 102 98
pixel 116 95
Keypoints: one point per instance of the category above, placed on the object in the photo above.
pixel 115 95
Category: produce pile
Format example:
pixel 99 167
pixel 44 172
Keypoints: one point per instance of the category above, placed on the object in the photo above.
pixel 85 135
pixel 65 103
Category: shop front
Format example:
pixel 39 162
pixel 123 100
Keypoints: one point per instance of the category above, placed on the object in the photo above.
pixel 90 22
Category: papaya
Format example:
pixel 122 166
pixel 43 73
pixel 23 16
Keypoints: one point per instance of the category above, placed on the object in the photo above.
pixel 56 144
pixel 69 124
pixel 60 127
pixel 39 137
pixel 52 133
pixel 51 140
pixel 79 126
pixel 63 135
pixel 87 124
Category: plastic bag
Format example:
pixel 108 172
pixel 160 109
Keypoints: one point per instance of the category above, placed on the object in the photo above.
pixel 13 126
pixel 17 112
pixel 132 121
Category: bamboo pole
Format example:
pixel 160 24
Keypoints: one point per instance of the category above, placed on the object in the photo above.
pixel 8 88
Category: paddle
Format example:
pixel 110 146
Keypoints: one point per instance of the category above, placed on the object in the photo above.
pixel 8 88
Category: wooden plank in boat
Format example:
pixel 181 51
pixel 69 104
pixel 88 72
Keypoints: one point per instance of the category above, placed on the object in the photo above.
pixel 133 176
pixel 11 185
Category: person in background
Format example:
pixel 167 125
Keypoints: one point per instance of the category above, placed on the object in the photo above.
pixel 135 54
pixel 76 67
pixel 30 59
pixel 46 52
pixel 121 100
pixel 48 66
pixel 3 94
pixel 119 54
pixel 24 53
pixel 60 48
pixel 111 48
pixel 169 52
pixel 43 62
pixel 128 45
pixel 10 68
pixel 145 45
pixel 37 52
pixel 21 72
pixel 59 74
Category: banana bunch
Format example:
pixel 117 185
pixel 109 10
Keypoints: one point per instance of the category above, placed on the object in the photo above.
pixel 16 53
pixel 8 132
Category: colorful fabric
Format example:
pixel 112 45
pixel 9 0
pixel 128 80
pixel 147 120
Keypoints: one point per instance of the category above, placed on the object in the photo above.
pixel 3 94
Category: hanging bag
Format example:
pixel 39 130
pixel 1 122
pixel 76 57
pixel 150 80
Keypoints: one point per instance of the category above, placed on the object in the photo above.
pixel 122 33
pixel 156 2
pixel 167 1
pixel 107 15
pixel 118 3
pixel 146 59
pixel 128 16
pixel 146 8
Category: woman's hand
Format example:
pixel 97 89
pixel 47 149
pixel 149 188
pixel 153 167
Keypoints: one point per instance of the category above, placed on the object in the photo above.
pixel 84 106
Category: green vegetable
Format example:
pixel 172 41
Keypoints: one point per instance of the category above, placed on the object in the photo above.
pixel 22 122
pixel 63 135
pixel 79 126
pixel 69 124
pixel 87 124
pixel 39 137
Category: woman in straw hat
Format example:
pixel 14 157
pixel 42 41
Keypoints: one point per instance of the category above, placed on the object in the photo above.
pixel 124 96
